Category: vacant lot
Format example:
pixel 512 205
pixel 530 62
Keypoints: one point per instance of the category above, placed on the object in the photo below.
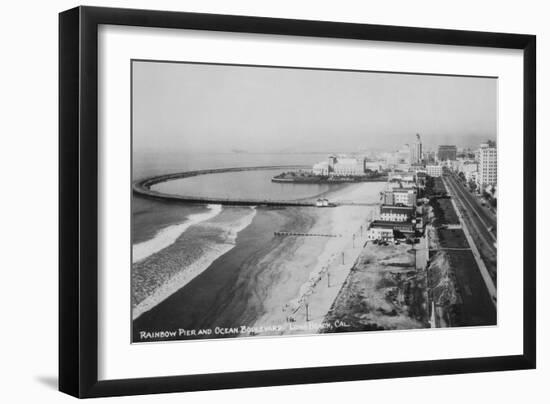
pixel 382 292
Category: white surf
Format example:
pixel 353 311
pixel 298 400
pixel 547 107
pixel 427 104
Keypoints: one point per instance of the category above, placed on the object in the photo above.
pixel 168 236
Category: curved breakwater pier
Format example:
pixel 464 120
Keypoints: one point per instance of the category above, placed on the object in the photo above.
pixel 143 188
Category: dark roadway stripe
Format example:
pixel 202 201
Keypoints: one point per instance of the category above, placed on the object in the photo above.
pixel 473 219
pixel 474 202
pixel 472 206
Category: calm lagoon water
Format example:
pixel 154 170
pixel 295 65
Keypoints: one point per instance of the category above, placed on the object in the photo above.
pixel 255 184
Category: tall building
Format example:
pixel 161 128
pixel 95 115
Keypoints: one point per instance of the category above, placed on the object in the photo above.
pixel 446 152
pixel 416 151
pixel 487 167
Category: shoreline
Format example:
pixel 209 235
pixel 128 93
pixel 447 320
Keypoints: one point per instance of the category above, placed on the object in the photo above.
pixel 325 274
pixel 265 277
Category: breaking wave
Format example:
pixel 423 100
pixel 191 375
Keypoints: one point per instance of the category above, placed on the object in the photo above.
pixel 211 252
pixel 168 236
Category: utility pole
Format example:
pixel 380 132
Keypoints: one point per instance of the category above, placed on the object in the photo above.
pixel 342 258
pixel 307 311
pixel 328 279
pixel 414 249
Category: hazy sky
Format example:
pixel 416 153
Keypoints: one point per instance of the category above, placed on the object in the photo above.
pixel 179 106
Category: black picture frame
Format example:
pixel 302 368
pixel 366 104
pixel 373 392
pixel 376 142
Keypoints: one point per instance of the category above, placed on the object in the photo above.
pixel 78 200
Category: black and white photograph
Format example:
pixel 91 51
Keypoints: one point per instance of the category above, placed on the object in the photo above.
pixel 275 202
pixel 272 201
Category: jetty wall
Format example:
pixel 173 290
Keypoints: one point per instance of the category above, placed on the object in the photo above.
pixel 143 188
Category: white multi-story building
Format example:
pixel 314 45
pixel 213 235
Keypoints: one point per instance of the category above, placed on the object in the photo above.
pixel 339 167
pixel 345 166
pixel 487 168
pixel 404 196
pixel 434 170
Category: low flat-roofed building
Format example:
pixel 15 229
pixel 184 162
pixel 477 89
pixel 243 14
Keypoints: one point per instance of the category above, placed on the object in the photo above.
pixel 385 230
pixel 394 213
pixel 380 233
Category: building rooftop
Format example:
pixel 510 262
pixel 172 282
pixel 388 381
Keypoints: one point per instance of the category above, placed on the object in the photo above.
pixel 396 208
pixel 386 224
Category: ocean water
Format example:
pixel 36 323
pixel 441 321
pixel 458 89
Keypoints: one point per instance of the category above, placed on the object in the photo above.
pixel 172 243
pixel 196 265
pixel 181 251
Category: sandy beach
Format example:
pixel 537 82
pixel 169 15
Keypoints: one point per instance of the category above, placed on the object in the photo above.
pixel 312 274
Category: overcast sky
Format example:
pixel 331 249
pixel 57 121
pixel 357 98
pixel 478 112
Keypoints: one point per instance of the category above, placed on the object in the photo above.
pixel 180 106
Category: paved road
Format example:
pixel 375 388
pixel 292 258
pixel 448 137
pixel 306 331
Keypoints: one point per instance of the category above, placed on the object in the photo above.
pixel 480 220
pixel 482 213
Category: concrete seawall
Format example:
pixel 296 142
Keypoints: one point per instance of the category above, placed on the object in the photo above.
pixel 143 188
